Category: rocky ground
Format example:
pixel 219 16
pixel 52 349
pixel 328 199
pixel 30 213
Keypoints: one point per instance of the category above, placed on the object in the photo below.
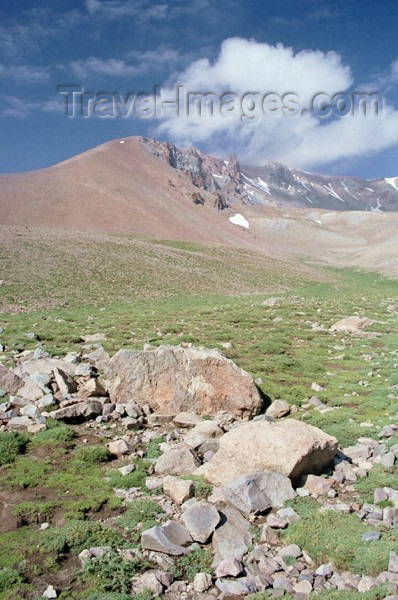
pixel 136 462
pixel 215 486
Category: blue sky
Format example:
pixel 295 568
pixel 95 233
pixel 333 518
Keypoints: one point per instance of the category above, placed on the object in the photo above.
pixel 132 45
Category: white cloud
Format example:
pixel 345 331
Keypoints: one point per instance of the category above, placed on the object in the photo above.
pixel 24 73
pixel 144 62
pixel 302 141
pixel 12 106
pixel 98 66
pixel 116 9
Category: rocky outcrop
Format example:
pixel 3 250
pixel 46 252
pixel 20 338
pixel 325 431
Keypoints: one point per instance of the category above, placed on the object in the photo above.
pixel 172 379
pixel 289 447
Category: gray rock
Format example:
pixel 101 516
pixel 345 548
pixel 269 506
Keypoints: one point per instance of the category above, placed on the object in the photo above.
pixel 202 582
pixel 257 492
pixel 30 411
pixel 180 460
pixel 45 402
pixel 232 538
pixel 169 538
pixel 19 422
pixel 64 381
pixel 371 536
pixel 278 409
pixel 292 550
pixel 173 379
pixel 393 563
pixel 78 411
pixel 325 570
pixel 201 519
pixel 240 587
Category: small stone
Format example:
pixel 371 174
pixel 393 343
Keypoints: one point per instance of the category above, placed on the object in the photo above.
pixel 36 428
pixel 292 550
pixel 180 460
pixel 30 411
pixel 317 486
pixel 64 381
pixel 178 490
pixel 169 538
pixel 147 582
pixel 393 563
pixel 202 582
pixel 371 536
pixel 278 409
pixel 44 526
pixel 316 388
pixel 201 519
pixel 46 401
pixel 302 587
pixel 127 469
pixel 229 567
pixel 92 388
pixel 19 422
pixel 186 419
pixel 380 495
pixel 324 570
pixel 119 447
pixel 49 592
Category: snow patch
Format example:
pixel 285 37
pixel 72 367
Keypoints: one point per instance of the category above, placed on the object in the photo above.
pixel 347 190
pixel 218 176
pixel 330 190
pixel 310 201
pixel 226 163
pixel 377 207
pixel 239 220
pixel 263 185
pixel 122 141
pixel 391 181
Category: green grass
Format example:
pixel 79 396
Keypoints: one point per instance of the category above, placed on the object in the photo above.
pixel 140 515
pixel 198 561
pixel 336 537
pixel 168 293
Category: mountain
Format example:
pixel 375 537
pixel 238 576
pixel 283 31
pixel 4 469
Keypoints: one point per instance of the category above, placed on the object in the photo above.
pixel 277 185
pixel 153 190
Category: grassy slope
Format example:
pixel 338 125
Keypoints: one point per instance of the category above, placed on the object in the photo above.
pixel 197 300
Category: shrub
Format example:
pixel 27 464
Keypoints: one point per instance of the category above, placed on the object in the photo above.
pixel 79 535
pixel 54 435
pixel 9 578
pixel 141 515
pixel 12 443
pixel 86 456
pixel 112 573
pixel 198 561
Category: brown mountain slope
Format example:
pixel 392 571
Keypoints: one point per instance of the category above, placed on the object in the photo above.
pixel 122 187
pixel 116 187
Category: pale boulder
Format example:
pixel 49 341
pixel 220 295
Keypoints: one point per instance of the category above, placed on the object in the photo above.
pixel 290 447
pixel 179 460
pixel 179 490
pixel 174 379
pixel 351 324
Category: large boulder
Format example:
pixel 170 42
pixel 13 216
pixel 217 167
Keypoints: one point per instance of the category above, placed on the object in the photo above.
pixel 290 447
pixel 172 379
